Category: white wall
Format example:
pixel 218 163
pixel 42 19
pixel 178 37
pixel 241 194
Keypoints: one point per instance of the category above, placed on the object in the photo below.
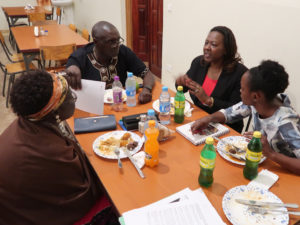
pixel 88 12
pixel 8 3
pixel 264 29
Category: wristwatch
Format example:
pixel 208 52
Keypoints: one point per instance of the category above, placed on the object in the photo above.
pixel 148 87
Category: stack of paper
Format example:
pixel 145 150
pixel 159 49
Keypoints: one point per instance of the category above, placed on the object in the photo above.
pixel 183 208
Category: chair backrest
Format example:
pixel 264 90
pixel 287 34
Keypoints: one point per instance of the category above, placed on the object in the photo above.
pixel 37 16
pixel 72 27
pixel 45 22
pixel 56 53
pixel 85 34
pixel 58 15
pixel 5 48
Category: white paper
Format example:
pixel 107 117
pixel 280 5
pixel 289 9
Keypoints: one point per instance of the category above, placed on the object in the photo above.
pixel 91 97
pixel 265 179
pixel 183 208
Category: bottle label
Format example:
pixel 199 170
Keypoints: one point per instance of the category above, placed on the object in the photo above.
pixel 207 163
pixel 117 95
pixel 130 92
pixel 164 107
pixel 179 104
pixel 253 156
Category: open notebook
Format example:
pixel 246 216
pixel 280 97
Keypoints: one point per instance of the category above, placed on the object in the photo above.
pixel 213 130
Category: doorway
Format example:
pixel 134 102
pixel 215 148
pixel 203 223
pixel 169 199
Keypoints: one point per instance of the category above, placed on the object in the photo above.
pixel 144 20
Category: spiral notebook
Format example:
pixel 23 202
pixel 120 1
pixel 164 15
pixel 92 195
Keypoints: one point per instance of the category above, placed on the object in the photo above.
pixel 213 130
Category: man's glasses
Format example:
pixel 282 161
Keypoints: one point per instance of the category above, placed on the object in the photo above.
pixel 114 43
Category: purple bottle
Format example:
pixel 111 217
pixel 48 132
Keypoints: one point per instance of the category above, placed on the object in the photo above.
pixel 117 89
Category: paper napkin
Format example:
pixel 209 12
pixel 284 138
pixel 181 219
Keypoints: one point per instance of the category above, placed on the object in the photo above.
pixel 265 179
pixel 139 158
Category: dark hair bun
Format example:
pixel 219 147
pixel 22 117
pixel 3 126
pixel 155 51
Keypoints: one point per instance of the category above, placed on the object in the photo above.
pixel 269 77
pixel 31 92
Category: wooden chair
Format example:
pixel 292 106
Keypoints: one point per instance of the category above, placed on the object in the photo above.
pixel 12 69
pixel 85 34
pixel 72 27
pixel 59 54
pixel 58 15
pixel 11 57
pixel 45 22
pixel 37 16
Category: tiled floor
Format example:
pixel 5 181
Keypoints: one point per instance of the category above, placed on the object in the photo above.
pixel 6 114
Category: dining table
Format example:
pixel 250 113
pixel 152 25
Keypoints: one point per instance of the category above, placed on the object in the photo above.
pixel 178 167
pixel 14 13
pixel 58 34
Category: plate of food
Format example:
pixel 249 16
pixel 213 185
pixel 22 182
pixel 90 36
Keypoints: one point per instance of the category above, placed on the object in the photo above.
pixel 155 106
pixel 225 150
pixel 105 144
pixel 108 96
pixel 242 214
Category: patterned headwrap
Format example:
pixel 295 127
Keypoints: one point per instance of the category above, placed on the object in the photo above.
pixel 59 93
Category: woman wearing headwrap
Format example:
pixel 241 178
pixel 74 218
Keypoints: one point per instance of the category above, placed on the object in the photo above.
pixel 45 177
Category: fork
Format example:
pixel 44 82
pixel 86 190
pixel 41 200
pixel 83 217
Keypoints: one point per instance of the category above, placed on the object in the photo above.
pixel 263 211
pixel 117 152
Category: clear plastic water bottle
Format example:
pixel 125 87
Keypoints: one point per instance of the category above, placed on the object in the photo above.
pixel 130 85
pixel 164 106
pixel 117 94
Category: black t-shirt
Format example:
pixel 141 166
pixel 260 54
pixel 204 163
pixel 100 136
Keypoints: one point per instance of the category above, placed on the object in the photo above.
pixel 127 62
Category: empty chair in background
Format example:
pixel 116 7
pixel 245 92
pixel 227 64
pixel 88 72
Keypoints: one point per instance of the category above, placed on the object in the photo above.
pixel 45 22
pixel 59 54
pixel 10 56
pixel 72 27
pixel 36 17
pixel 85 34
pixel 58 14
pixel 12 69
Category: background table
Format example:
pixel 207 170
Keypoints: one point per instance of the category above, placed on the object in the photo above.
pixel 58 34
pixel 15 13
pixel 178 168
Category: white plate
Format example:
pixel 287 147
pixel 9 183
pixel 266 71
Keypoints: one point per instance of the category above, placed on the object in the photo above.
pixel 155 106
pixel 238 141
pixel 116 134
pixel 108 96
pixel 238 214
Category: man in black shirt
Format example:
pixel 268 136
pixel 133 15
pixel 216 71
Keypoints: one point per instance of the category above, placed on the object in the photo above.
pixel 105 58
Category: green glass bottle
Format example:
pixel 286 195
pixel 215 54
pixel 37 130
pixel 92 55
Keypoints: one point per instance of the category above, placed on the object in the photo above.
pixel 253 156
pixel 207 163
pixel 179 104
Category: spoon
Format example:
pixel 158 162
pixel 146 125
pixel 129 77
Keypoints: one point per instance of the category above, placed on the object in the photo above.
pixel 117 152
pixel 266 211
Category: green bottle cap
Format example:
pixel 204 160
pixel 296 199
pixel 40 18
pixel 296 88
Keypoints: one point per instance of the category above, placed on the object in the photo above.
pixel 179 88
pixel 209 141
pixel 257 134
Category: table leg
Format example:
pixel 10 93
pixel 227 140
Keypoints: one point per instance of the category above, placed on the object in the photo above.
pixel 28 57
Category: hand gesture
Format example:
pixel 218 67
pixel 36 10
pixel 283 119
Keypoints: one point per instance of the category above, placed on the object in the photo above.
pixel 197 90
pixel 182 80
pixel 74 77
